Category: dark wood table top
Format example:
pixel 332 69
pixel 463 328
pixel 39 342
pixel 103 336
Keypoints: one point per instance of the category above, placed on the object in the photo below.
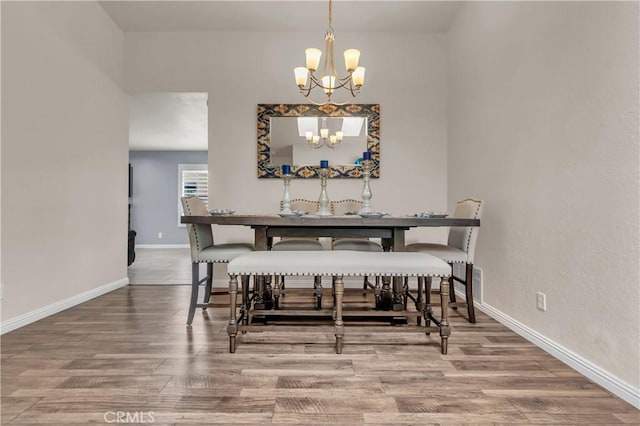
pixel 310 221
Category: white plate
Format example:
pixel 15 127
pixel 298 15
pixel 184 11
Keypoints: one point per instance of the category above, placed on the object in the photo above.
pixel 431 215
pixel 373 215
pixel 220 212
pixel 292 214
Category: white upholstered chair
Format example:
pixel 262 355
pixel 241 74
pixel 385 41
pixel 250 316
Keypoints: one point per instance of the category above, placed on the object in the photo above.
pixel 300 244
pixel 351 206
pixel 203 250
pixel 460 249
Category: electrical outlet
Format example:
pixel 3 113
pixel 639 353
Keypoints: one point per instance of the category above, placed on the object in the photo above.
pixel 159 234
pixel 542 301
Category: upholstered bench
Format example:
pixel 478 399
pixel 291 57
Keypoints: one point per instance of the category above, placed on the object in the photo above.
pixel 336 264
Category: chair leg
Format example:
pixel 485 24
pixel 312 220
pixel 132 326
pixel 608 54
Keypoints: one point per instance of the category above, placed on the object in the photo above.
pixel 209 284
pixel 427 304
pixel 195 281
pixel 245 299
pixel 405 293
pixel 317 289
pixel 420 300
pixel 469 292
pixel 365 285
pixel 276 291
pixel 452 293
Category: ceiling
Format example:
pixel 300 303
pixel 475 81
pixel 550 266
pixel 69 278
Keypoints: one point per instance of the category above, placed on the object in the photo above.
pixel 266 15
pixel 178 121
pixel 168 122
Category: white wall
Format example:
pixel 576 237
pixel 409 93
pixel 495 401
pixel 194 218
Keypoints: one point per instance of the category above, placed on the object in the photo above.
pixel 543 125
pixel 240 70
pixel 64 159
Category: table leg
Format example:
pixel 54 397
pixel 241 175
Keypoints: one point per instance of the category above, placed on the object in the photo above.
pixel 260 239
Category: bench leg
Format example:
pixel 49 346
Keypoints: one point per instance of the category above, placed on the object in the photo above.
pixel 445 331
pixel 232 328
pixel 339 290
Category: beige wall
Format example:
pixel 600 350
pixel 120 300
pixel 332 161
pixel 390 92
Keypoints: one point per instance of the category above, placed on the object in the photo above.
pixel 543 125
pixel 64 153
pixel 406 75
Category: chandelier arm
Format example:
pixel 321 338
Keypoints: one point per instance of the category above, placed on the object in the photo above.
pixel 345 82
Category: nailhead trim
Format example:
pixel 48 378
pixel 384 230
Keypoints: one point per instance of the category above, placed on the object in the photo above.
pixel 193 226
pixel 475 216
pixel 353 274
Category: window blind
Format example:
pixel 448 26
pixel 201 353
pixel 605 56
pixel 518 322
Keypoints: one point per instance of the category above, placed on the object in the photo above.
pixel 195 182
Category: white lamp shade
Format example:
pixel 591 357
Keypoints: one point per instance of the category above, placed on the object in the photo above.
pixel 301 75
pixel 324 133
pixel 316 139
pixel 328 83
pixel 339 135
pixel 333 139
pixel 313 58
pixel 351 58
pixel 358 76
pixel 308 135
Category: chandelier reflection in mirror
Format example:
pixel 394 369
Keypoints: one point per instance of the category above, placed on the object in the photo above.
pixel 324 138
pixel 329 81
pixel 318 133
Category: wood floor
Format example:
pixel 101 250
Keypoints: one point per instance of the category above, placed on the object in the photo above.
pixel 130 353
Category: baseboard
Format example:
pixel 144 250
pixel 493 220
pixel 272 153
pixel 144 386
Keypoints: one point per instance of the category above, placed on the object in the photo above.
pixel 161 246
pixel 54 308
pixel 605 379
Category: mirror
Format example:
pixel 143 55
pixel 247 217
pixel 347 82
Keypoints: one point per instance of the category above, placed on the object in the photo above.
pixel 293 134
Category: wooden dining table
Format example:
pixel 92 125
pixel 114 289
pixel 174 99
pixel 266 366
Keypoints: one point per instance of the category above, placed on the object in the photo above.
pixel 390 229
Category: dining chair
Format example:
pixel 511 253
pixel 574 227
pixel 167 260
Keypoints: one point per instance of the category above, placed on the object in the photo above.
pixel 204 250
pixel 352 207
pixel 460 249
pixel 300 244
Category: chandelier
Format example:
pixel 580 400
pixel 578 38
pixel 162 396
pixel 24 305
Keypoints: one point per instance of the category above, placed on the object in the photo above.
pixel 329 81
pixel 324 138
